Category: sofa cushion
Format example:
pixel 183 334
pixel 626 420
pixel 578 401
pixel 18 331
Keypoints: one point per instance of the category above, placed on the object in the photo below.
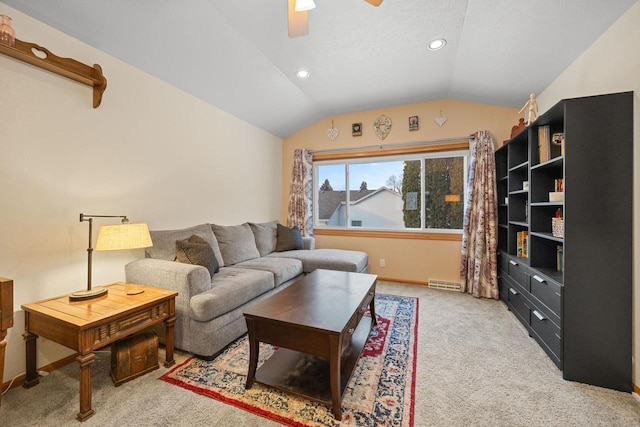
pixel 288 238
pixel 283 269
pixel 266 236
pixel 230 288
pixel 195 250
pixel 164 242
pixel 330 259
pixel 236 243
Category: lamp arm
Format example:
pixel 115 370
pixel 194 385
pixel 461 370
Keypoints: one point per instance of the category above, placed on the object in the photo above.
pixel 89 219
pixel 125 220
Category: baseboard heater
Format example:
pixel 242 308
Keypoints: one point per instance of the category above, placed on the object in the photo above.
pixel 446 285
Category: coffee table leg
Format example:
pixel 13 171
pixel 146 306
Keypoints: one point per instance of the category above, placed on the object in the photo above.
pixel 372 309
pixel 85 361
pixel 254 353
pixel 334 375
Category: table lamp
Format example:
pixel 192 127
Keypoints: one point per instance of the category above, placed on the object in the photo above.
pixel 111 238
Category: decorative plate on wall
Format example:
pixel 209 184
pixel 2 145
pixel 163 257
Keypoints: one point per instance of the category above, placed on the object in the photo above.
pixel 382 126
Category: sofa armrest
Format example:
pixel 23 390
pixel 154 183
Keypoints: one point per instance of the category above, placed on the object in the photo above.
pixel 186 279
pixel 309 242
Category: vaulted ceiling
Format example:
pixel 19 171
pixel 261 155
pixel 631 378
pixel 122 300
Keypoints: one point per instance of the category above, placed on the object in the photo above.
pixel 236 54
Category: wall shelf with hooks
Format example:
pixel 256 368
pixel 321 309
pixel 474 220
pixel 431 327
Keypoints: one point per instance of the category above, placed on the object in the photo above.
pixel 40 57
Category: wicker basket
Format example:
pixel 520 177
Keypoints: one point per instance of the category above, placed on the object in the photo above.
pixel 557 227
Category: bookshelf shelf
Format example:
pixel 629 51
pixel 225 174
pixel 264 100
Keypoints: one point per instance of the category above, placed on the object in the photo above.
pixel 548 236
pixel 580 283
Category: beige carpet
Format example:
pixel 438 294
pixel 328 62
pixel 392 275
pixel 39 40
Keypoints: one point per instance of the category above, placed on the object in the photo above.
pixel 476 366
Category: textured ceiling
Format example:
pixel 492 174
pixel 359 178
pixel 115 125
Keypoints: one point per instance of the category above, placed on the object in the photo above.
pixel 236 54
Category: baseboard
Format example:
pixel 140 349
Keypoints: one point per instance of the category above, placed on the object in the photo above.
pixel 19 380
pixel 635 388
pixel 410 282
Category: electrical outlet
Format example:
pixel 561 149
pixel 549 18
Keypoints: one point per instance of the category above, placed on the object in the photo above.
pixel 382 262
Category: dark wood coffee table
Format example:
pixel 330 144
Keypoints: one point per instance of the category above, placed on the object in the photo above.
pixel 316 323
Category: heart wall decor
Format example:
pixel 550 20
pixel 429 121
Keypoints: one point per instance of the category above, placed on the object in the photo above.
pixel 441 119
pixel 382 126
pixel 332 132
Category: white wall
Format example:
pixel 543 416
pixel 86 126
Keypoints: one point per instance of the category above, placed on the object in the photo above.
pixel 149 151
pixel 611 64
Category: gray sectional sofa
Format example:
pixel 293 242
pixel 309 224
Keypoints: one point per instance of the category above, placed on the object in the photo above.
pixel 239 266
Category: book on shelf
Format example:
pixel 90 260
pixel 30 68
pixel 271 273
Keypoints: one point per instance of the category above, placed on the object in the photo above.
pixel 544 143
pixel 558 185
pixel 522 238
pixel 559 258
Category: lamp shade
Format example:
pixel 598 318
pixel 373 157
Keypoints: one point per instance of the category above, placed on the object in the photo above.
pixel 303 5
pixel 123 236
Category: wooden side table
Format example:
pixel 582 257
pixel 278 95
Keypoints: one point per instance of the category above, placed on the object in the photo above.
pixel 6 319
pixel 86 326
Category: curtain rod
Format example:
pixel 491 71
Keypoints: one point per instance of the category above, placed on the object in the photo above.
pixel 382 146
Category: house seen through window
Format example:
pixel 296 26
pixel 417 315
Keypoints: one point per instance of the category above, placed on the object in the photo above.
pixel 410 192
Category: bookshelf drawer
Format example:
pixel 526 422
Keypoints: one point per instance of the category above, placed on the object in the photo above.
pixel 546 333
pixel 547 291
pixel 518 272
pixel 518 304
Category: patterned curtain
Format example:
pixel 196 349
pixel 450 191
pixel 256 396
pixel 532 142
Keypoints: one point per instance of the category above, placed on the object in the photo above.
pixel 478 265
pixel 300 195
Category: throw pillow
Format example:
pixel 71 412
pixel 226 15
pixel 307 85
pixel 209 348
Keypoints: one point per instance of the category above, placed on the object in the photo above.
pixel 195 250
pixel 266 235
pixel 236 243
pixel 289 239
pixel 164 242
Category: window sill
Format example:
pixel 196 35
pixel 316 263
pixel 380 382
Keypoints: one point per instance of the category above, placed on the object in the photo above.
pixel 413 235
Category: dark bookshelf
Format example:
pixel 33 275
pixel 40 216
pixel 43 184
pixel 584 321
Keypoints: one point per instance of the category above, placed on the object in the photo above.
pixel 573 290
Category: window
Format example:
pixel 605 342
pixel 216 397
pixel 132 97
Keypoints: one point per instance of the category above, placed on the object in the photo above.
pixel 421 192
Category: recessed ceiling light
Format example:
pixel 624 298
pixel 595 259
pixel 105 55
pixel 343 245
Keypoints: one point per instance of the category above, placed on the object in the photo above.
pixel 436 44
pixel 302 74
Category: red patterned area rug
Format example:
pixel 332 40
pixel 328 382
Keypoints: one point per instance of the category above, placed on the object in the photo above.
pixel 380 392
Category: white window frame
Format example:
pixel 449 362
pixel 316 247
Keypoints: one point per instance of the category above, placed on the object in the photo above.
pixel 378 159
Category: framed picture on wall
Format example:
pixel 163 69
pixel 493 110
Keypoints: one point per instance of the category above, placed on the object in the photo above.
pixel 356 129
pixel 413 123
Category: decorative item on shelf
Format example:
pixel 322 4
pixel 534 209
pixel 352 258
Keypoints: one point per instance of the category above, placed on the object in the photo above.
pixel 356 129
pixel 556 196
pixel 332 132
pixel 441 119
pixel 558 139
pixel 532 109
pixel 557 225
pixel 516 129
pixel 413 123
pixel 111 238
pixel 7 33
pixel 382 126
pixel 525 185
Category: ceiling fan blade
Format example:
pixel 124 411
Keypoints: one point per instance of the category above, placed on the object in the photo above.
pixel 376 3
pixel 298 21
